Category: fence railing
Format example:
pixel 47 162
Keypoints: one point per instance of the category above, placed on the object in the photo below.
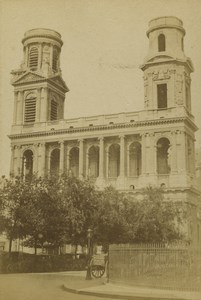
pixel 156 265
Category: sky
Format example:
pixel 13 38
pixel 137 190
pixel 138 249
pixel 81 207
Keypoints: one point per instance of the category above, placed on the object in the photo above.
pixel 105 42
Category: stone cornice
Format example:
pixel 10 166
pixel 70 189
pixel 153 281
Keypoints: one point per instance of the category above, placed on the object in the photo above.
pixel 101 127
pixel 49 36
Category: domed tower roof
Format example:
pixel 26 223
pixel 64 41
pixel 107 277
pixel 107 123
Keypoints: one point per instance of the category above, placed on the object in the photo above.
pixel 165 22
pixel 41 34
pixel 166 41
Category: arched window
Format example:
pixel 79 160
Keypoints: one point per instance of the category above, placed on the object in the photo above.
pixel 33 58
pixel 55 60
pixel 161 43
pixel 53 110
pixel 135 160
pixel 74 161
pixel 54 161
pixel 93 155
pixel 30 108
pixel 27 168
pixel 114 161
pixel 163 156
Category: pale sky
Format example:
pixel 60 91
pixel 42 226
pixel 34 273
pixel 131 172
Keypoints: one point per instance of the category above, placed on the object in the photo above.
pixel 105 42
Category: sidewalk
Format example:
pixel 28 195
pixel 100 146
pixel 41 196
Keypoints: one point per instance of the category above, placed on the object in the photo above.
pixel 100 287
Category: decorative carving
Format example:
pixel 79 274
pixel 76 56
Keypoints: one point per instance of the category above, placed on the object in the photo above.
pixel 161 74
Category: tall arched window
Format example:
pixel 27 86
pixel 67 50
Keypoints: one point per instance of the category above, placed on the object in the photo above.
pixel 54 161
pixel 135 159
pixel 30 108
pixel 93 155
pixel 163 156
pixel 74 161
pixel 114 161
pixel 161 43
pixel 33 58
pixel 27 168
pixel 55 60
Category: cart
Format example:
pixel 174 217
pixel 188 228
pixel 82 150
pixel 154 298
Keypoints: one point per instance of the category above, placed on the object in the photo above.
pixel 98 265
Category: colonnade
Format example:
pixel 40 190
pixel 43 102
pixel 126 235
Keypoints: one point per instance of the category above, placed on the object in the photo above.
pixel 124 161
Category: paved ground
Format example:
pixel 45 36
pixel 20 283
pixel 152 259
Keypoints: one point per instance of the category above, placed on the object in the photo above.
pixel 44 286
pixel 74 286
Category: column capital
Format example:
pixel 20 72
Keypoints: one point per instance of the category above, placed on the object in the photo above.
pixel 121 136
pixel 101 138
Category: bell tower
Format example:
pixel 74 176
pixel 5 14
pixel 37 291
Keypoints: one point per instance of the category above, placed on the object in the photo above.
pixel 38 85
pixel 166 68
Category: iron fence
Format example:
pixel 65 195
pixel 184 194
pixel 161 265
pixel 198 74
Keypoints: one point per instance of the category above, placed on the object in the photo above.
pixel 156 265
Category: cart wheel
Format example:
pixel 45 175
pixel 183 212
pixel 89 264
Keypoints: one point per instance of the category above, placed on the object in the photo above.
pixel 97 271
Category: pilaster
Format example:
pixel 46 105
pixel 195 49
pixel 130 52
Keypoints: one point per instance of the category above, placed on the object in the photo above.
pixel 41 159
pixel 61 158
pixel 81 160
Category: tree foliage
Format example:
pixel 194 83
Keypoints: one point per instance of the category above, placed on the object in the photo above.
pixel 59 210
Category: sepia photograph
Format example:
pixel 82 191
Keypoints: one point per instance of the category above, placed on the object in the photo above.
pixel 100 149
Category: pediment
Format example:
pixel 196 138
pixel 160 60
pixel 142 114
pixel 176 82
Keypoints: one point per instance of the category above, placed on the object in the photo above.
pixel 28 77
pixel 160 57
pixel 57 80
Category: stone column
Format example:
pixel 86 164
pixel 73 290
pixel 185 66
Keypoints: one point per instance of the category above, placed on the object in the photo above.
pixel 12 161
pixel 20 103
pixel 68 160
pixel 107 163
pixel 40 56
pixel 61 161
pixel 38 105
pixel 35 159
pixel 181 151
pixel 128 160
pixel 87 163
pixel 143 153
pixel 51 56
pixel 101 157
pixel 20 161
pixel 48 161
pixel 122 156
pixel 81 160
pixel 173 153
pixel 15 107
pixel 26 56
pixel 43 105
pixel 153 154
pixel 41 159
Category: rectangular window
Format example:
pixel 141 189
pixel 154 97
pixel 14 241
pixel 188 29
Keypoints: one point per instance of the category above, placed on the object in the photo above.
pixel 30 110
pixel 53 114
pixel 162 95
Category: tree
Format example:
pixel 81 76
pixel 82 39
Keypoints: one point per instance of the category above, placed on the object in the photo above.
pixel 124 219
pixel 111 225
pixel 12 197
pixel 156 220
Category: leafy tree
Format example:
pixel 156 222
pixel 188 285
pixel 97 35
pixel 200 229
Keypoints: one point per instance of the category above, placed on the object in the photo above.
pixel 13 196
pixel 111 225
pixel 154 219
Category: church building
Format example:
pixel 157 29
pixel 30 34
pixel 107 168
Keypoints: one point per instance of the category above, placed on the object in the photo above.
pixel 127 150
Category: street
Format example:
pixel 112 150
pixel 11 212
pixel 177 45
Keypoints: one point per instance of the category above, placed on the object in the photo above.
pixel 41 287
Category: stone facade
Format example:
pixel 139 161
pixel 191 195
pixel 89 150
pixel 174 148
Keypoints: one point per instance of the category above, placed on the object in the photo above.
pixel 127 150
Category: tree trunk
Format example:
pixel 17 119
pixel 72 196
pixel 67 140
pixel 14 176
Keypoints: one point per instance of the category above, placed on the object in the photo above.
pixel 35 247
pixel 10 244
pixel 75 253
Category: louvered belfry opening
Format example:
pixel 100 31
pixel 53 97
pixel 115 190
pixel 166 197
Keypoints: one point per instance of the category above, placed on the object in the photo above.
pixel 53 114
pixel 33 58
pixel 30 109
